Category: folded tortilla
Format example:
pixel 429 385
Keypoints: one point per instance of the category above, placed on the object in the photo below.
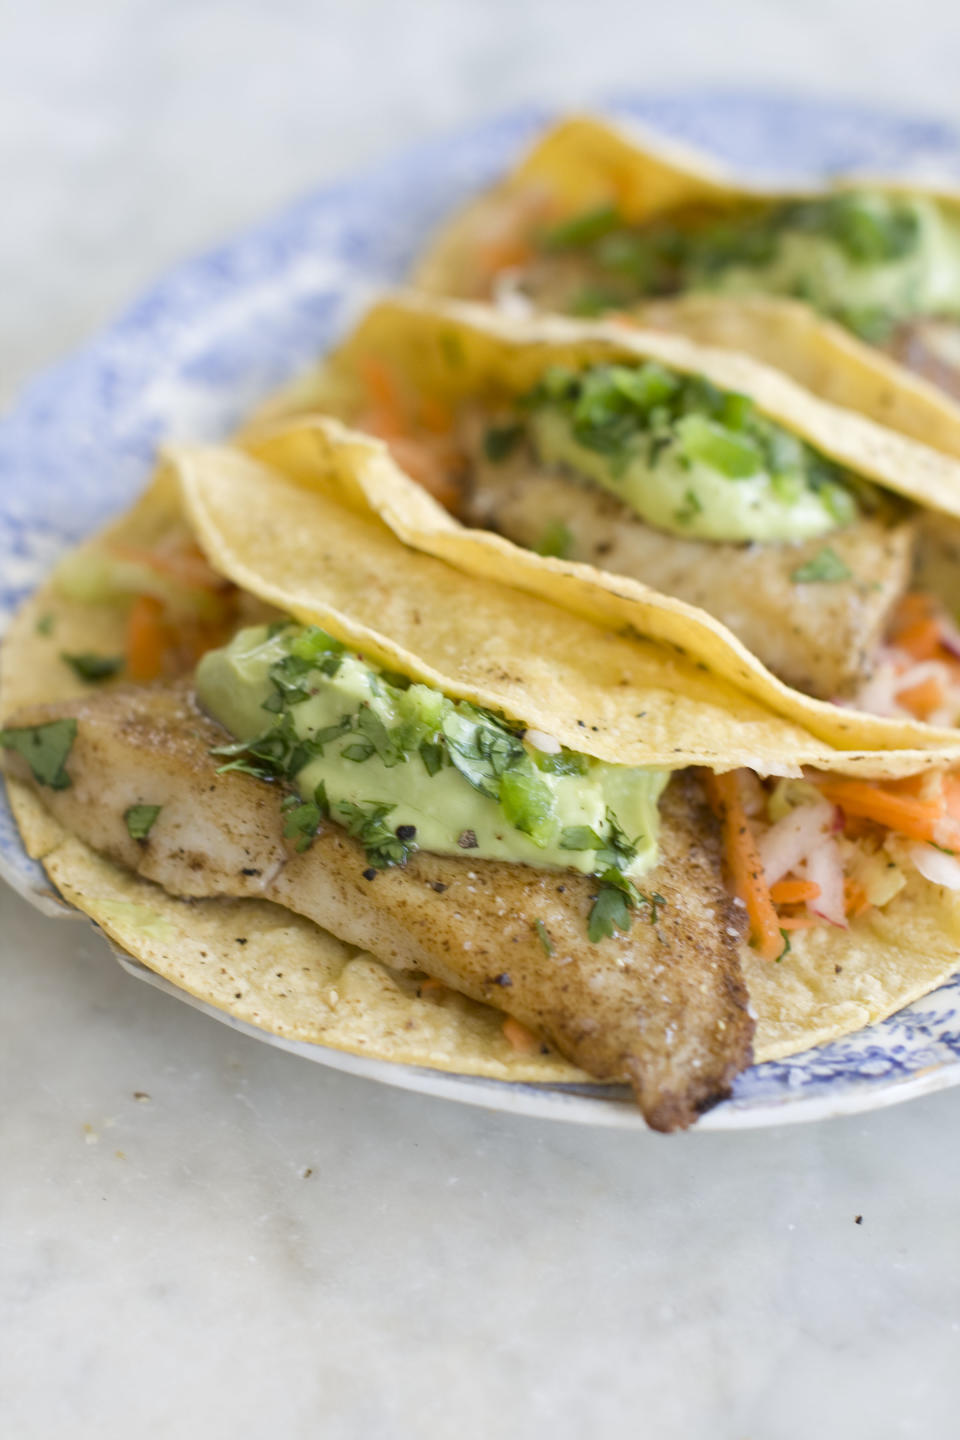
pixel 450 354
pixel 584 162
pixel 325 546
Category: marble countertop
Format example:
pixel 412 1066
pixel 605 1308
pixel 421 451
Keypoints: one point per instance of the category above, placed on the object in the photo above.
pixel 203 1236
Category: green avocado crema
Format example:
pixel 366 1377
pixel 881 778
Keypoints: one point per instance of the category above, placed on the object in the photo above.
pixel 403 767
pixel 687 457
pixel 867 258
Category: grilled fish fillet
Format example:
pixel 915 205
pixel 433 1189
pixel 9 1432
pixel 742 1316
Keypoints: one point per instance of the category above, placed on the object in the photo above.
pixel 664 1007
pixel 819 638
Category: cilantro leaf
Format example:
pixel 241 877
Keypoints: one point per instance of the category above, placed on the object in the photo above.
pixel 584 229
pixel 367 823
pixel 556 541
pixel 580 837
pixel 544 937
pixel 480 747
pixel 432 754
pixel 45 749
pixel 609 912
pixel 140 820
pixel 92 668
pixel 825 567
pixel 303 819
pixel 500 441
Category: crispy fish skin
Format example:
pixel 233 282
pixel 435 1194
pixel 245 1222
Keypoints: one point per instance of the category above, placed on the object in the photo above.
pixel 819 638
pixel 664 1006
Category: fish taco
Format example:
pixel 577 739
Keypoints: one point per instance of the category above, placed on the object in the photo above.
pixel 356 794
pixel 829 545
pixel 852 288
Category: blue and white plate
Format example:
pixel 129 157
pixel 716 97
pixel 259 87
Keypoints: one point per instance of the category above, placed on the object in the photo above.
pixel 218 333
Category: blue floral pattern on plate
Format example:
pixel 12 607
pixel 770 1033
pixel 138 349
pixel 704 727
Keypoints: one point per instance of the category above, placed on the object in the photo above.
pixel 219 332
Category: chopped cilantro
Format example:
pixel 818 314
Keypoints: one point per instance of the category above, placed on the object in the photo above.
pixel 366 823
pixel 500 441
pixel 432 754
pixel 556 540
pixel 45 749
pixel 583 229
pixel 544 937
pixel 140 820
pixel 611 909
pixel 92 668
pixel 303 818
pixel 622 411
pixel 580 837
pixel 826 566
pixel 44 625
pixel 527 802
pixel 480 747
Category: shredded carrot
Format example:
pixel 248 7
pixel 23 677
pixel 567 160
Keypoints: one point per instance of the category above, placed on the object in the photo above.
pixel 387 417
pixel 430 465
pixel 918 819
pixel 746 871
pixel 148 639
pixel 913 608
pixel 502 253
pixel 922 699
pixel 520 1037
pixel 433 987
pixel 435 416
pixel 921 641
pixel 793 892
pixel 795 922
pixel 951 796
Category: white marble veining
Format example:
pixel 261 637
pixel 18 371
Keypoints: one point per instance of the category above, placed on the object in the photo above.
pixel 260 1247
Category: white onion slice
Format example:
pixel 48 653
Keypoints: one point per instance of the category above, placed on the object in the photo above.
pixel 540 740
pixel 825 868
pixel 793 838
pixel 508 298
pixel 935 866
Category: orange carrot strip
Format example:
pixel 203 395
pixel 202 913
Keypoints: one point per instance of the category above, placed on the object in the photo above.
pixel 795 922
pixel 951 796
pixel 921 640
pixel 746 871
pixel 918 819
pixel 387 414
pixel 520 1037
pixel 793 892
pixel 435 416
pixel 147 639
pixel 433 987
pixel 914 607
pixel 429 466
pixel 922 699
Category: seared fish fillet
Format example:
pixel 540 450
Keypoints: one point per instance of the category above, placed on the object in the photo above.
pixel 819 638
pixel 664 1007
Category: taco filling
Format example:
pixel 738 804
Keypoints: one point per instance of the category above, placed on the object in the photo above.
pixel 665 477
pixel 441 838
pixel 881 264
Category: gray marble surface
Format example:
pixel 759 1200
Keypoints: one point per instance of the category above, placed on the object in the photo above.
pixel 203 1236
